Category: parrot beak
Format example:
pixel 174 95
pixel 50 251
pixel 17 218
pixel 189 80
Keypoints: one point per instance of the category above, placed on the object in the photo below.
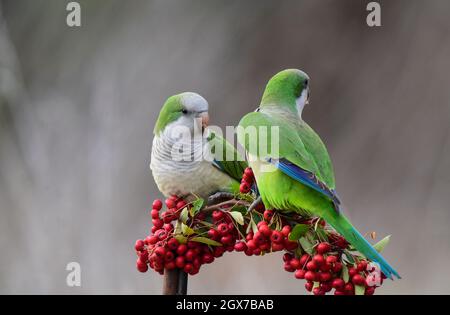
pixel 205 120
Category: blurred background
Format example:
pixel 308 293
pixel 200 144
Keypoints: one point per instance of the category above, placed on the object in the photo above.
pixel 78 106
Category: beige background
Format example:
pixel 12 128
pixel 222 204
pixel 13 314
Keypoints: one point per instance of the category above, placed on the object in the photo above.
pixel 77 109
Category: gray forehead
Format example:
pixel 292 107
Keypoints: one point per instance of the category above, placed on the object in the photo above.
pixel 194 102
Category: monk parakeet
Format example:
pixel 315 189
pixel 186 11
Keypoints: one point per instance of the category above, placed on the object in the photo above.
pixel 300 176
pixel 187 159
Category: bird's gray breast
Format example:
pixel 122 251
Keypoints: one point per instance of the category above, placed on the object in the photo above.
pixel 187 174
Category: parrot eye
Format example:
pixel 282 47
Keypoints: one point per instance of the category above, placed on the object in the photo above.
pixel 306 83
pixel 184 111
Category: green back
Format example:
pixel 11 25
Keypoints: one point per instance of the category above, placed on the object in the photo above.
pixel 298 143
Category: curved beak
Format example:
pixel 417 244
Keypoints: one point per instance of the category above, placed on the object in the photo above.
pixel 205 119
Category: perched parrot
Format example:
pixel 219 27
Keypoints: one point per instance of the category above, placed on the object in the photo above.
pixel 195 174
pixel 300 177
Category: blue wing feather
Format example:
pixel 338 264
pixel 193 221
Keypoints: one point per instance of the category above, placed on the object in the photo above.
pixel 306 178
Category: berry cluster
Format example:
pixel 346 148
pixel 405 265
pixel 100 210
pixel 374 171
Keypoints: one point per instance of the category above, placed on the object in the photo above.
pixel 313 251
pixel 325 271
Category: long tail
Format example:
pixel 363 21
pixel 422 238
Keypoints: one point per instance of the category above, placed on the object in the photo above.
pixel 343 226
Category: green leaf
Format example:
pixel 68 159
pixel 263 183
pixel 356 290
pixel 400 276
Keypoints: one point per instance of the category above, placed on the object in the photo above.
pixel 298 231
pixel 360 289
pixel 196 206
pixel 184 215
pixel 181 238
pixel 205 240
pixel 237 216
pixel 186 230
pixel 345 276
pixel 382 244
pixel 306 245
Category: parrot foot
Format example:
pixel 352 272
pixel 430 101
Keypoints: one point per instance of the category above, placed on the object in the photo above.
pixel 255 204
pixel 219 197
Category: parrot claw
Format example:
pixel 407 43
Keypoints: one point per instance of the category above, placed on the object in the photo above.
pixel 219 197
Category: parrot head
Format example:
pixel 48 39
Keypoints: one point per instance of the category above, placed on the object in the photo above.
pixel 289 88
pixel 186 109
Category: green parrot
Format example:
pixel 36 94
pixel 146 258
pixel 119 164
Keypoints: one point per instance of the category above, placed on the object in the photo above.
pixel 187 159
pixel 299 177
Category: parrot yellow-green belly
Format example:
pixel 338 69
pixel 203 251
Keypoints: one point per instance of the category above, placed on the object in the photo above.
pixel 279 191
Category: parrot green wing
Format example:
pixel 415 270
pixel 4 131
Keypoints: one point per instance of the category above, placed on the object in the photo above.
pixel 226 157
pixel 298 144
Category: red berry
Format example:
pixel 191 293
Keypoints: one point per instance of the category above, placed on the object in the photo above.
pixel 160 252
pixel 337 267
pixel 352 271
pixel 370 291
pixel 170 203
pixel 304 259
pixel 265 230
pixel 318 259
pixel 349 288
pixel 158 223
pixel 325 267
pixel 207 258
pixel 309 286
pixel 141 266
pixel 161 235
pixel 338 283
pixel 277 247
pixel 259 238
pixel 223 228
pixel 362 266
pixel 318 291
pixel 300 274
pixel 251 245
pixel 265 246
pixel 244 188
pixel 181 249
pixel 286 230
pixel 288 267
pixel 227 239
pixel 139 245
pixel 168 227
pixel 157 204
pixel 287 257
pixel 295 263
pixel 358 280
pixel 249 236
pixel 170 265
pixel 190 255
pixel 155 214
pixel 248 172
pixel 151 240
pixel 277 237
pixel 325 276
pixel 143 256
pixel 179 262
pixel 213 234
pixel 323 248
pixel 218 251
pixel 169 256
pixel 173 244
pixel 217 215
pixel 310 276
pixel 331 259
pixel 188 268
pixel 339 292
pixel 257 251
pixel 240 247
pixel 180 204
pixel 268 214
pixel 312 266
pixel 290 245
